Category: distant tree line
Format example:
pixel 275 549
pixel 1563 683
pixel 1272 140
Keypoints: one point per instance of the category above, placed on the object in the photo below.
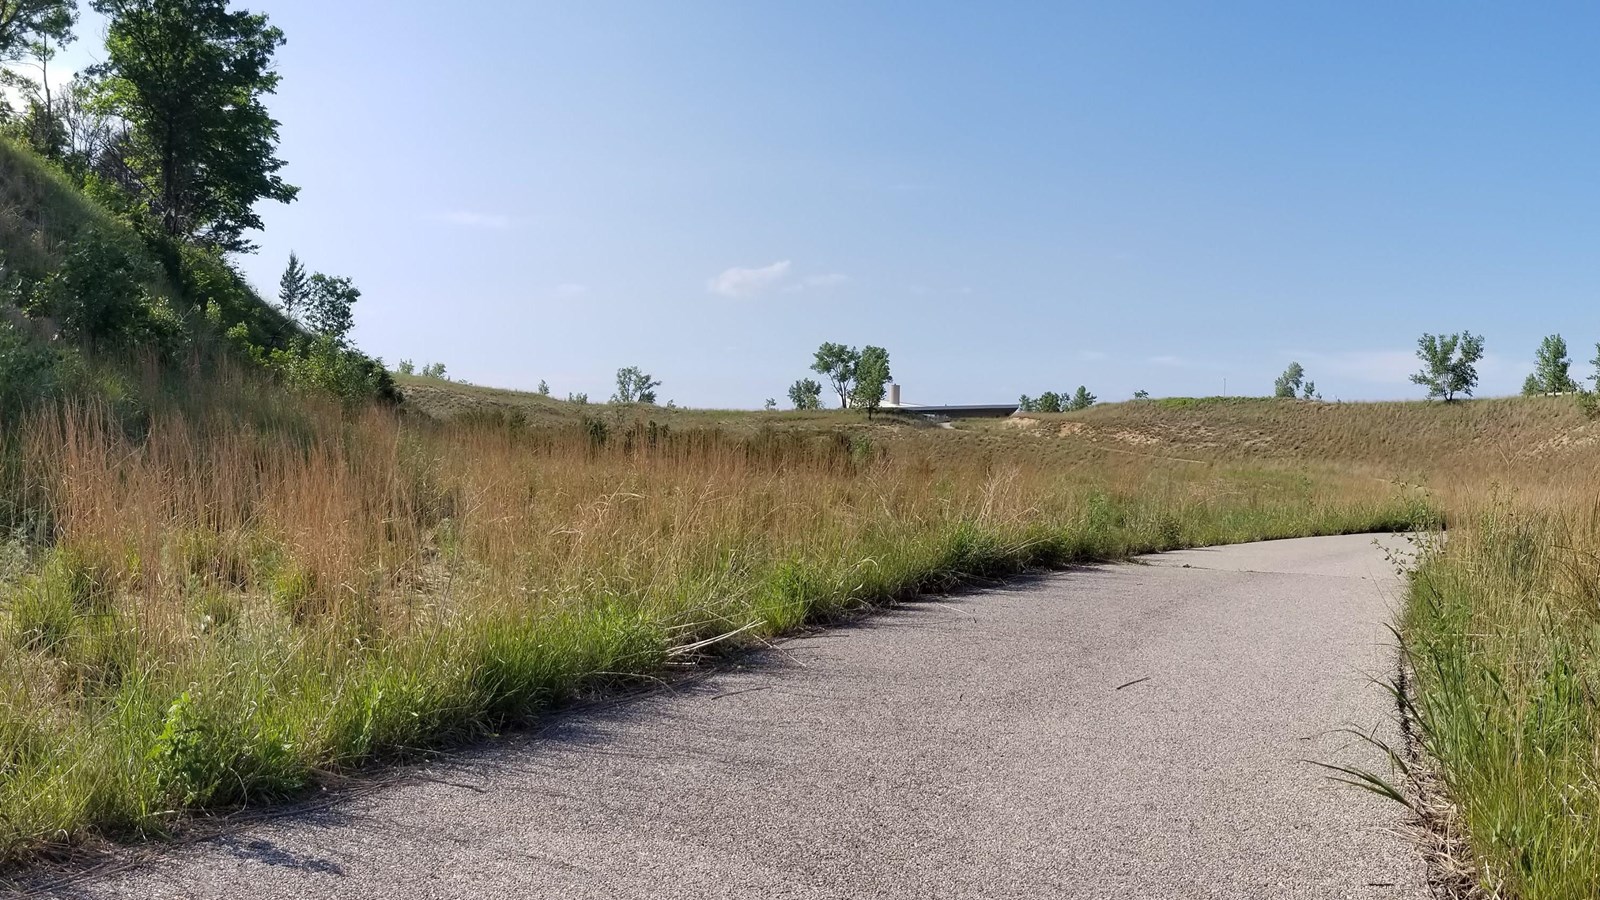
pixel 1052 402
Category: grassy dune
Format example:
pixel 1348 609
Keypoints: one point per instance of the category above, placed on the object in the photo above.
pixel 223 610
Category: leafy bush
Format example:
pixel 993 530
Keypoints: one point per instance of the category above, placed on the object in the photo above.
pixel 321 364
pixel 28 372
pixel 99 294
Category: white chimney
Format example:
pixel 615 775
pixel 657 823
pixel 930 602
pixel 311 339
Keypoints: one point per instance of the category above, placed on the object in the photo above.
pixel 894 395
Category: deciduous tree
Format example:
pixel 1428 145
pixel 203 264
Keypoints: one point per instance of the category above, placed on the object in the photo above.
pixel 1552 369
pixel 329 306
pixel 1449 364
pixel 189 77
pixel 838 364
pixel 1288 384
pixel 806 393
pixel 634 386
pixel 24 23
pixel 872 378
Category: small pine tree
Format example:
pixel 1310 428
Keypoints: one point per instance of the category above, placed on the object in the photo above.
pixel 294 288
pixel 544 388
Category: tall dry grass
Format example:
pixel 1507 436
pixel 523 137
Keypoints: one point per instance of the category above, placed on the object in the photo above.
pixel 219 609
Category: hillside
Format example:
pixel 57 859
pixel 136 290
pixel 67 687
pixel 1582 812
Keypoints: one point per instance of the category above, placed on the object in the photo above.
pixel 94 306
pixel 1417 440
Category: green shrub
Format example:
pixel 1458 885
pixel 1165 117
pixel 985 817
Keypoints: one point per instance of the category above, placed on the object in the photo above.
pixel 321 364
pixel 100 291
pixel 29 372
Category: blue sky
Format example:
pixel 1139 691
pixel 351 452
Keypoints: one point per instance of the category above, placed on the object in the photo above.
pixel 1009 197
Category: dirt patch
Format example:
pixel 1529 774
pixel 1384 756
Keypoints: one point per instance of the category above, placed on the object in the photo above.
pixel 1136 437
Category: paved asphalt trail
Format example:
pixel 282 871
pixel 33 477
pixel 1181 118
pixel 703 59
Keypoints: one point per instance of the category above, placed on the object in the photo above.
pixel 976 746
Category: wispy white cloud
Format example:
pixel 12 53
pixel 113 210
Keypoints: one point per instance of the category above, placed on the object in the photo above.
pixel 570 289
pixel 468 219
pixel 1166 361
pixel 742 282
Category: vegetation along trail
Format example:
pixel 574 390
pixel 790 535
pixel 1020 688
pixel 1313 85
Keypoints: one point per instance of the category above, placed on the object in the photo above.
pixel 1119 731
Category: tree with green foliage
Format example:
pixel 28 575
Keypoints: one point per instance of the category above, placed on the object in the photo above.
pixel 35 30
pixel 872 379
pixel 329 306
pixel 838 364
pixel 406 367
pixel 1288 384
pixel 579 399
pixel 434 370
pixel 1026 403
pixel 1048 402
pixel 189 76
pixel 805 393
pixel 294 288
pixel 1449 364
pixel 26 23
pixel 1309 392
pixel 1551 369
pixel 1141 395
pixel 634 386
pixel 1081 399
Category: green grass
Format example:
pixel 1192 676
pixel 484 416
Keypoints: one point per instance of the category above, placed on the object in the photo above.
pixel 1503 633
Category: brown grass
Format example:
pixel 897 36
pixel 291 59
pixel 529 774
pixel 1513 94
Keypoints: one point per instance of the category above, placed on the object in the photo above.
pixel 233 601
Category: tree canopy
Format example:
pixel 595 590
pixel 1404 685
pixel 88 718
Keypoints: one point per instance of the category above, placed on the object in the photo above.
pixel 872 378
pixel 837 363
pixel 1289 383
pixel 1552 369
pixel 23 23
pixel 805 393
pixel 634 386
pixel 1449 364
pixel 189 76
